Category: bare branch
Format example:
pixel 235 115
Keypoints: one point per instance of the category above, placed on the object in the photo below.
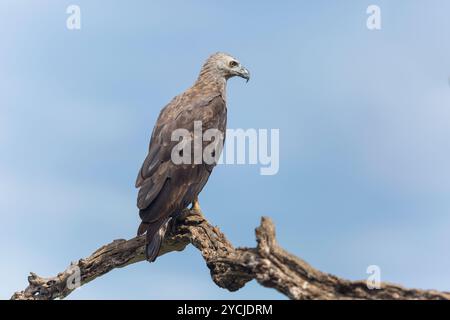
pixel 230 267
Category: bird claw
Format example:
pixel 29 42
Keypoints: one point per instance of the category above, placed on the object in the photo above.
pixel 195 208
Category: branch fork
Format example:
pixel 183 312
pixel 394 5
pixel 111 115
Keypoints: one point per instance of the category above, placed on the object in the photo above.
pixel 231 268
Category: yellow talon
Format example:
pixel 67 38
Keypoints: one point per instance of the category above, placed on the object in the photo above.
pixel 196 205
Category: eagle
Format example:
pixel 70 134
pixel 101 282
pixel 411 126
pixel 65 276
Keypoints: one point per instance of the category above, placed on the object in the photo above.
pixel 166 187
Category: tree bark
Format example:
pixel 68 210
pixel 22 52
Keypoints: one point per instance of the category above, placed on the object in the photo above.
pixel 231 268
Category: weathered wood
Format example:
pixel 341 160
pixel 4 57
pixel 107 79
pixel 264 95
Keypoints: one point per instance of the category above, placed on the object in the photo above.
pixel 230 267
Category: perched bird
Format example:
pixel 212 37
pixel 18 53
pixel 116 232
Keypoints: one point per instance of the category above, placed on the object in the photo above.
pixel 166 188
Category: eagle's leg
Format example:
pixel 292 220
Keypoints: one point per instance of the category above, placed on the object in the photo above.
pixel 193 210
pixel 181 216
pixel 196 205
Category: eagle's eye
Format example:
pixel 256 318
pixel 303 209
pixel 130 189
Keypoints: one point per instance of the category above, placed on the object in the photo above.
pixel 233 64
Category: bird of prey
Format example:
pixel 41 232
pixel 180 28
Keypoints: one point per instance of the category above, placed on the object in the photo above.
pixel 166 188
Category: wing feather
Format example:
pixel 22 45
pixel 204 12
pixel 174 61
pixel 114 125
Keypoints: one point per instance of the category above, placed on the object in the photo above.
pixel 158 167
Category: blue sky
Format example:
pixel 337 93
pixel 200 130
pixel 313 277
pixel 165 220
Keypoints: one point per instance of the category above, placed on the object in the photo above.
pixel 364 135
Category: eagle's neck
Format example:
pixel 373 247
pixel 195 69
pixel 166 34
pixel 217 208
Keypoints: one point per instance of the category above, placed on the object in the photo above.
pixel 211 82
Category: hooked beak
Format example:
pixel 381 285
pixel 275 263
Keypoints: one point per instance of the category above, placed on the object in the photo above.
pixel 244 73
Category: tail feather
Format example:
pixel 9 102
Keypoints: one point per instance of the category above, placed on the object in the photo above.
pixel 142 228
pixel 155 235
pixel 152 247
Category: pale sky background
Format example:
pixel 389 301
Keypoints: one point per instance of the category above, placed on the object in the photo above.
pixel 364 126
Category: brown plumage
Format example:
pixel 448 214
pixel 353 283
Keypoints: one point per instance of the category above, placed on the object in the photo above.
pixel 166 188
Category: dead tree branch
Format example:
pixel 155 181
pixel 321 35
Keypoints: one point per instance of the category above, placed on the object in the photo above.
pixel 231 268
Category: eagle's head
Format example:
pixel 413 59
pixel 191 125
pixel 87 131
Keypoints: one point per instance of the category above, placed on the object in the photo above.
pixel 226 66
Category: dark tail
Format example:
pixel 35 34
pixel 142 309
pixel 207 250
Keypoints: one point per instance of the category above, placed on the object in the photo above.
pixel 155 235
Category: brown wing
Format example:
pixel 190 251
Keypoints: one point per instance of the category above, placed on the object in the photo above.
pixel 158 167
pixel 165 187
